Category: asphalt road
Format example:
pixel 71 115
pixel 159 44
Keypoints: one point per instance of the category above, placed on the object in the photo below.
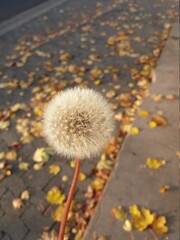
pixel 10 8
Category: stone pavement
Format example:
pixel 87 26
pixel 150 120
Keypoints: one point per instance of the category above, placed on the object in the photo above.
pixel 118 39
pixel 131 181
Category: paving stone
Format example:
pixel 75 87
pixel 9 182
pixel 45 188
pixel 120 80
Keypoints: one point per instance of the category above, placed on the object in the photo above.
pixel 13 227
pixel 15 184
pixel 34 220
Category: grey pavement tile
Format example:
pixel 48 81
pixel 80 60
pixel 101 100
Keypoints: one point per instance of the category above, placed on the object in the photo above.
pixel 34 220
pixel 13 227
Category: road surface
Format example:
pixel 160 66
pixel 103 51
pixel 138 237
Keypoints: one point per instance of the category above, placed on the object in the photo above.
pixel 10 8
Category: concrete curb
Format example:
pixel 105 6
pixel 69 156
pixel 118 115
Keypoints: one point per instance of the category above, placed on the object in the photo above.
pixel 131 182
pixel 28 15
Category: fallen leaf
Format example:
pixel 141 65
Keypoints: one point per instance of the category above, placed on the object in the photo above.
pixel 23 166
pixel 159 120
pixel 2 164
pixel 98 184
pixel 119 213
pixel 157 97
pixel 54 169
pixel 4 125
pixel 17 203
pixel 110 94
pixel 65 57
pixel 52 235
pixel 72 163
pixel 104 163
pixel 25 195
pixel 65 178
pixel 2 155
pixel 55 196
pixel 134 211
pixel 159 225
pixel 152 124
pixel 79 235
pixel 38 166
pixel 155 163
pixel 142 219
pixel 82 176
pixel 58 213
pixel 170 97
pixel 11 155
pixel 101 238
pixel 127 226
pixel 164 188
pixel 143 113
pixel 41 155
pixel 95 73
pixel 134 131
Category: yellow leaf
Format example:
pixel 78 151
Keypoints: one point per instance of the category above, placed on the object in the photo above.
pixel 97 82
pixel 26 138
pixel 23 166
pixel 110 94
pixel 36 128
pixel 159 225
pixel 65 57
pixel 101 238
pixel 49 235
pixel 119 213
pixel 54 196
pixel 73 163
pixel 82 176
pixel 54 169
pixel 104 163
pixel 98 184
pixel 38 166
pixel 17 203
pixel 144 221
pixel 4 125
pixel 95 73
pixel 157 97
pixel 134 211
pixel 65 178
pixel 143 113
pixel 170 97
pixel 11 155
pixel 58 213
pixel 18 106
pixel 152 124
pixel 25 195
pixel 159 120
pixel 127 226
pixel 155 163
pixel 79 235
pixel 2 155
pixel 164 188
pixel 41 155
pixel 134 131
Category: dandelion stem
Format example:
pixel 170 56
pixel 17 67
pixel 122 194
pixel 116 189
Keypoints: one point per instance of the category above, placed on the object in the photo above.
pixel 68 203
pixel 153 234
pixel 132 236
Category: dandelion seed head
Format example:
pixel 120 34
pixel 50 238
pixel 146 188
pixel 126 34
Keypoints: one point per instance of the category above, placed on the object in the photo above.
pixel 78 122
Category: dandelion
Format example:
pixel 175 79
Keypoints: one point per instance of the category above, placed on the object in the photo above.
pixel 77 123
